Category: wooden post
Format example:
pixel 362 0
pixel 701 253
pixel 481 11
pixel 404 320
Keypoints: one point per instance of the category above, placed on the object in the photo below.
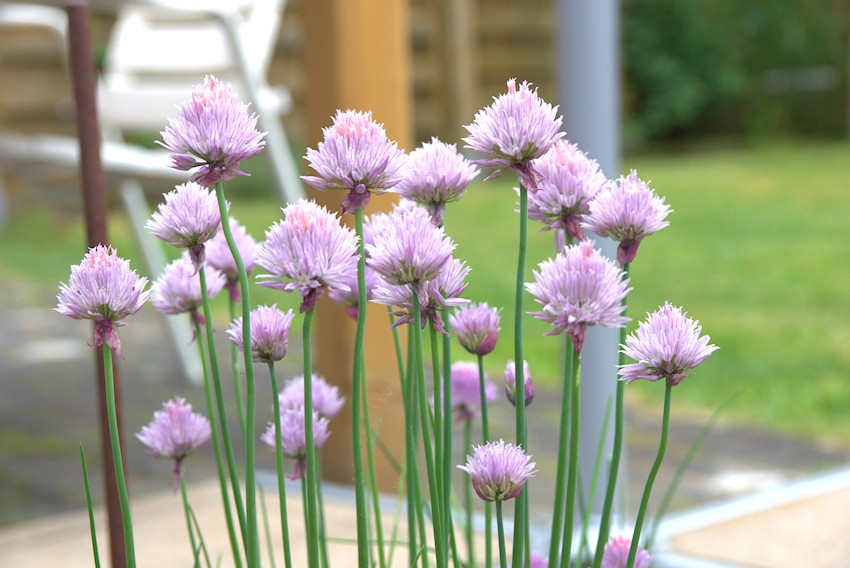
pixel 357 57
pixel 95 207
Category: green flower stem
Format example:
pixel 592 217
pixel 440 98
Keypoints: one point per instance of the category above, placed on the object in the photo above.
pixel 186 512
pixel 373 481
pixel 253 541
pixel 201 544
pixel 117 460
pixel 92 527
pixel 309 496
pixel 616 452
pixel 503 554
pixel 216 444
pixel 520 521
pixel 323 540
pixel 439 425
pixel 485 436
pixel 358 380
pixel 221 416
pixel 278 452
pixel 561 475
pixel 584 543
pixel 266 528
pixel 433 483
pixel 447 431
pixel 237 382
pixel 409 444
pixel 572 475
pixel 467 499
pixel 644 501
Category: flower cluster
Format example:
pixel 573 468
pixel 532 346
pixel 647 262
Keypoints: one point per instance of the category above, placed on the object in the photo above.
pixel 357 156
pixel 178 288
pixel 327 403
pixel 269 333
pixel 219 256
pixel 476 327
pixel 666 346
pixel 311 250
pixel 436 174
pixel 174 433
pixel 514 130
pixel 577 289
pixel 105 289
pixel 510 383
pixel 616 554
pixel 627 210
pixel 466 391
pixel 569 180
pixel 212 130
pixel 498 470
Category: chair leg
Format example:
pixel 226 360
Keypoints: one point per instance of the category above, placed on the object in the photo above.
pixel 279 152
pixel 181 335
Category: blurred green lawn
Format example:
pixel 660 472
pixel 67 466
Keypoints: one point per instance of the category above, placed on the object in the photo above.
pixel 757 250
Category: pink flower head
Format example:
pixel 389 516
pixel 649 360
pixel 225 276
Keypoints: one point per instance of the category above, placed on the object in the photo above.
pixel 616 554
pixel 568 182
pixel 436 174
pixel 174 433
pixel 537 560
pixel 510 382
pixel 188 219
pixel 514 130
pixel 212 130
pixel 579 288
pixel 350 299
pixel 627 210
pixel 178 288
pixel 218 255
pixel 476 327
pixel 357 156
pixel 269 333
pixel 310 249
pixel 466 391
pixel 294 439
pixel 105 289
pixel 666 346
pixel 327 401
pixel 409 250
pixel 435 295
pixel 498 470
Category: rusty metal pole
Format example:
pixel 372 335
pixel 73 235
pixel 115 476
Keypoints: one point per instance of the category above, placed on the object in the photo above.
pixel 95 206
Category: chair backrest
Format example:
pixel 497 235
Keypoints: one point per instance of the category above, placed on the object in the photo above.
pixel 157 51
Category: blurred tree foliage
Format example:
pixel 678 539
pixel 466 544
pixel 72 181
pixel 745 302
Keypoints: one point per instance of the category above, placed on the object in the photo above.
pixel 734 67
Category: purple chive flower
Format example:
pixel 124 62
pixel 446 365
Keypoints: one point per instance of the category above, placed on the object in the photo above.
pixel 310 249
pixel 498 470
pixel 212 130
pixel 627 210
pixel 476 327
pixel 269 333
pixel 616 554
pixel 409 250
pixel 466 391
pixel 666 346
pixel 568 182
pixel 350 299
pixel 327 401
pixel 436 174
pixel 510 382
pixel 174 433
pixel 514 130
pixel 435 295
pixel 105 289
pixel 218 255
pixel 537 560
pixel 178 288
pixel 188 219
pixel 577 289
pixel 293 437
pixel 357 156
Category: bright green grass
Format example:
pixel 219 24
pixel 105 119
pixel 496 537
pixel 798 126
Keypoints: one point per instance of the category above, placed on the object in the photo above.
pixel 756 250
